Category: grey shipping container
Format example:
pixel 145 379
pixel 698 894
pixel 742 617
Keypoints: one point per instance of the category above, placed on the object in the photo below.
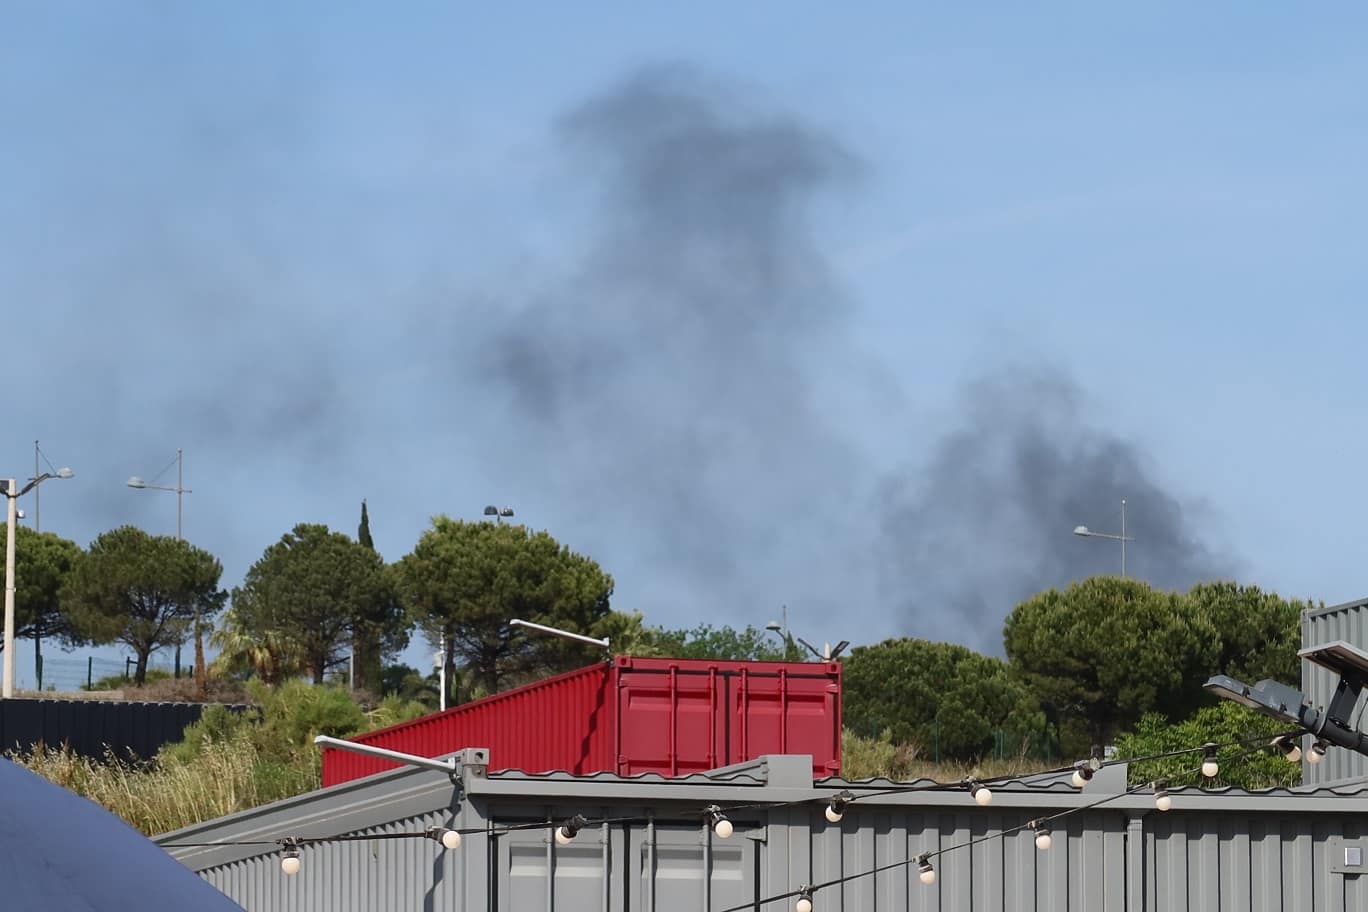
pixel 1215 850
pixel 1348 622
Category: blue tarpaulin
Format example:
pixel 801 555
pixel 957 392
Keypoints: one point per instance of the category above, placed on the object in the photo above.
pixel 62 853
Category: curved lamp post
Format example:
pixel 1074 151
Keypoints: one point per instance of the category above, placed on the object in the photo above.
pixel 12 493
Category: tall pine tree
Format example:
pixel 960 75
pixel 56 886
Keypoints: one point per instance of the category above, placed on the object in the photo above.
pixel 366 638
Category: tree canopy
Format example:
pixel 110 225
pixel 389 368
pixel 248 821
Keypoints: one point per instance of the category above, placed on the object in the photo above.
pixel 42 563
pixel 465 581
pixel 312 591
pixel 938 694
pixel 1108 650
pixel 140 590
pixel 1260 632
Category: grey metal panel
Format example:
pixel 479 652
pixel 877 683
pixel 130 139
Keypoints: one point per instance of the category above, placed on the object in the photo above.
pixel 1261 863
pixel 1348 622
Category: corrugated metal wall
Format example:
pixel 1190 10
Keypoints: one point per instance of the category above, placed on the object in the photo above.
pixel 1100 860
pixel 1348 622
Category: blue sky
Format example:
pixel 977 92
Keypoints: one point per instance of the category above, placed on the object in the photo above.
pixel 288 239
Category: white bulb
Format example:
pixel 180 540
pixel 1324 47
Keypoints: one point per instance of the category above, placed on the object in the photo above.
pixel 1210 768
pixel 803 905
pixel 1294 755
pixel 1316 754
pixel 290 864
pixel 983 797
pixel 1043 841
pixel 1163 801
pixel 928 876
pixel 1078 779
pixel 451 839
pixel 723 828
pixel 833 815
pixel 562 837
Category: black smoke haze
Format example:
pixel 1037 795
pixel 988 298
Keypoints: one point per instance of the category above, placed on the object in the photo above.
pixel 989 520
pixel 292 279
pixel 671 380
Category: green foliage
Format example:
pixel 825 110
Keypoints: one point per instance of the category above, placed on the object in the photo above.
pixel 410 685
pixel 118 681
pixel 465 581
pixel 313 590
pixel 1109 650
pixel 1260 632
pixel 42 563
pixel 939 694
pixel 1223 723
pixel 630 637
pixel 140 590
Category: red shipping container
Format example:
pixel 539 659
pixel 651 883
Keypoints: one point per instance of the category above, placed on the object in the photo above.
pixel 629 716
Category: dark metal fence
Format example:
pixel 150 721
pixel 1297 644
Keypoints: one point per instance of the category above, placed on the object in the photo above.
pixel 91 727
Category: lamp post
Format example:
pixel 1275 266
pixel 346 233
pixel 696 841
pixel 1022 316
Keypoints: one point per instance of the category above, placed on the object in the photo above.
pixel 179 490
pixel 12 494
pixel 1122 538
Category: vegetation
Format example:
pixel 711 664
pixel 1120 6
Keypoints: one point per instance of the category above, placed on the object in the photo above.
pixel 42 563
pixel 465 581
pixel 945 699
pixel 227 762
pixel 1253 766
pixel 141 590
pixel 308 595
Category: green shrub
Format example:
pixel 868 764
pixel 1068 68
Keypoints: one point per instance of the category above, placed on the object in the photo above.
pixel 1259 767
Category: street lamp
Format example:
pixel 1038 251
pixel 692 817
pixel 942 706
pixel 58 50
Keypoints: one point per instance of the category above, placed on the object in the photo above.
pixel 179 490
pixel 499 513
pixel 1122 538
pixel 12 493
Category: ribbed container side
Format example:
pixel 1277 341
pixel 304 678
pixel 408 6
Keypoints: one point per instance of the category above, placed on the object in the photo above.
pixel 561 723
pixel 1285 863
pixel 1348 622
pixel 355 875
pixel 677 716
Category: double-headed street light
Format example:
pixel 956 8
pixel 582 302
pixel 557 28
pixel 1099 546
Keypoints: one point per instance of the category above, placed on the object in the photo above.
pixel 12 493
pixel 179 490
pixel 1122 538
pixel 499 513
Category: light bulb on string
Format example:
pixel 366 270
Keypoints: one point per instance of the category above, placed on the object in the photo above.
pixel 804 903
pixel 449 839
pixel 1082 776
pixel 1291 750
pixel 721 826
pixel 927 873
pixel 836 808
pixel 1042 834
pixel 983 796
pixel 1317 752
pixel 1162 799
pixel 1209 765
pixel 566 831
pixel 289 857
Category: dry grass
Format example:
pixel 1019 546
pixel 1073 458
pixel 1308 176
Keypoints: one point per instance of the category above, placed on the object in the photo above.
pixel 866 758
pixel 158 797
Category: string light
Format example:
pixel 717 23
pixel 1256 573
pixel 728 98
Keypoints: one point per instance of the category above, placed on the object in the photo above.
pixel 1290 748
pixel 983 796
pixel 927 871
pixel 804 903
pixel 836 808
pixel 289 857
pixel 1317 752
pixel 721 826
pixel 1042 833
pixel 1162 799
pixel 1082 776
pixel 1209 765
pixel 450 839
pixel 567 830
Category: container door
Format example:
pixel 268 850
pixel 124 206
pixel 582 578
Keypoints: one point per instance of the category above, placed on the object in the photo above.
pixel 686 869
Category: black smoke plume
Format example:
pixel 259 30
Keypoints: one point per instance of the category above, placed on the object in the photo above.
pixel 990 519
